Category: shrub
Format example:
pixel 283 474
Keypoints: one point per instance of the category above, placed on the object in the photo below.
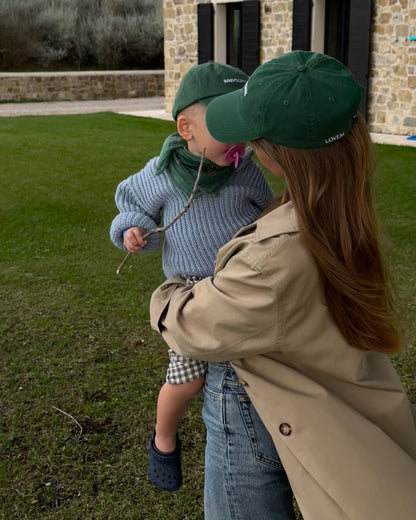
pixel 76 34
pixel 108 38
pixel 55 25
pixel 17 33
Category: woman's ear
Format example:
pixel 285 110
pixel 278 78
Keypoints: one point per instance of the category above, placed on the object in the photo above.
pixel 184 127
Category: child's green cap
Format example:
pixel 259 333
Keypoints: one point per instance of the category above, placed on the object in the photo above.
pixel 205 82
pixel 301 100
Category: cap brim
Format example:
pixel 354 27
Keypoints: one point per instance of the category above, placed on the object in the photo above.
pixel 206 101
pixel 227 119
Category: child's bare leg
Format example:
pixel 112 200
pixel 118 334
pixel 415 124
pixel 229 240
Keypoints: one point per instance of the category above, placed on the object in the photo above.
pixel 171 406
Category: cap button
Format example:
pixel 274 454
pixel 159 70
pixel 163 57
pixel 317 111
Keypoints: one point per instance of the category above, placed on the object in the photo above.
pixel 301 68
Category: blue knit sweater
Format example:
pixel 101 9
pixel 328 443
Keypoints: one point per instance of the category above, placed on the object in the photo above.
pixel 191 244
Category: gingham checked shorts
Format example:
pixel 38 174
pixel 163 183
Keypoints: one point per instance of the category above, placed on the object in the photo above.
pixel 183 369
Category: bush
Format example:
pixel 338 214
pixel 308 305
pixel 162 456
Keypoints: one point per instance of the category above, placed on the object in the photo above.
pixel 76 34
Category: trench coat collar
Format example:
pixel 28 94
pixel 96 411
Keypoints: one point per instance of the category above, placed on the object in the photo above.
pixel 279 221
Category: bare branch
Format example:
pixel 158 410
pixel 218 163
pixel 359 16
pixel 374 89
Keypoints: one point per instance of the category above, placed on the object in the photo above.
pixel 70 416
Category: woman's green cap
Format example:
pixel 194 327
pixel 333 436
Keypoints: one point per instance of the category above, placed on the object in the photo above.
pixel 205 82
pixel 301 100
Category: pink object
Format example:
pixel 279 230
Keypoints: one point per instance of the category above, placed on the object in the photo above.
pixel 234 153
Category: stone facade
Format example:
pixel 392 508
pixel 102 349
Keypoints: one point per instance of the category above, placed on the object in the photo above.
pixel 180 44
pixel 76 86
pixel 392 90
pixel 275 29
pixel 392 79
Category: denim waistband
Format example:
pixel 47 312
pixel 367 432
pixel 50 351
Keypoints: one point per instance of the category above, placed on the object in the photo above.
pixel 221 365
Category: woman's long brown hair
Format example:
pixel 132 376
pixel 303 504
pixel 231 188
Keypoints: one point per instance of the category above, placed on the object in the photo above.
pixel 331 190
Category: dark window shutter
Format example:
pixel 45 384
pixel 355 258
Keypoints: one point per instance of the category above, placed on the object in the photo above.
pixel 250 36
pixel 358 60
pixel 205 32
pixel 301 28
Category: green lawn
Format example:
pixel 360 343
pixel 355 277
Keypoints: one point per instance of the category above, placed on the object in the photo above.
pixel 75 337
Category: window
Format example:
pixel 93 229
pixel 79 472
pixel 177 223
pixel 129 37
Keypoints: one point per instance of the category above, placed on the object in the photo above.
pixel 233 35
pixel 229 32
pixel 337 19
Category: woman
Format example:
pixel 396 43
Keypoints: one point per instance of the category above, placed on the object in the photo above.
pixel 299 302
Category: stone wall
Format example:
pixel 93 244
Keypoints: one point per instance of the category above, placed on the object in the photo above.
pixel 392 89
pixel 75 86
pixel 392 80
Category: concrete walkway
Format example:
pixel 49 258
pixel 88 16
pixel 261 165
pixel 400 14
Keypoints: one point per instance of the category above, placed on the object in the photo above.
pixel 144 107
pixel 398 140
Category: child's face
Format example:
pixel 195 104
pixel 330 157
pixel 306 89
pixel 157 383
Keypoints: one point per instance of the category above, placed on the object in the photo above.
pixel 199 138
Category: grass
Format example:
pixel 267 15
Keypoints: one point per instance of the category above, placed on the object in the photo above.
pixel 76 338
pixel 395 195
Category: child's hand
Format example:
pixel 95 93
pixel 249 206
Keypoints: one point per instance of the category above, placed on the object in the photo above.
pixel 133 239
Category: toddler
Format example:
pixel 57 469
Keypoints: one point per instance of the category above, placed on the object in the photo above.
pixel 231 193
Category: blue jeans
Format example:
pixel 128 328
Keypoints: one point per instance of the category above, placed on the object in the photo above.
pixel 244 478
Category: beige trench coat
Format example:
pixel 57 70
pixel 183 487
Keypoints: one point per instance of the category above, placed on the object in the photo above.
pixel 339 417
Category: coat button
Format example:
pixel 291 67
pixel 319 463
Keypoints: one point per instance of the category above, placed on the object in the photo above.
pixel 285 429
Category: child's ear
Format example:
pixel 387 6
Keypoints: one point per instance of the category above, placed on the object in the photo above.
pixel 184 127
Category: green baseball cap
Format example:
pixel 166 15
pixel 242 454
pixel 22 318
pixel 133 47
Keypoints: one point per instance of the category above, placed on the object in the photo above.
pixel 301 100
pixel 205 82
